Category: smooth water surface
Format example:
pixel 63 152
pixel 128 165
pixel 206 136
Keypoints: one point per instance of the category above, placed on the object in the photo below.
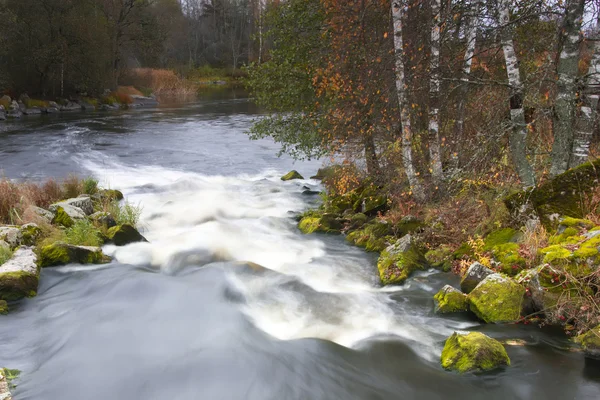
pixel 228 300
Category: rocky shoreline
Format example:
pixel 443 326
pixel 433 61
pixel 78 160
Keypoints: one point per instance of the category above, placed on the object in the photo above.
pixel 24 106
pixel 500 282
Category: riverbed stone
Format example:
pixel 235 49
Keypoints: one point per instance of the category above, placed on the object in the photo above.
pixel 590 342
pixel 473 352
pixel 84 203
pixel 476 273
pixel 398 261
pixel 62 254
pixel 292 175
pixel 125 234
pixel 19 276
pixel 450 300
pixel 497 299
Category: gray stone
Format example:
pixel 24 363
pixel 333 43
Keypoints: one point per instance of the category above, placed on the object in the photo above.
pixel 476 273
pixel 19 276
pixel 72 211
pixel 82 202
pixel 70 106
pixel 45 214
pixel 11 235
pixel 32 111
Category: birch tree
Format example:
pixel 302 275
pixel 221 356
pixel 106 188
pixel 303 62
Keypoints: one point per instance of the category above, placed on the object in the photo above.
pixel 435 150
pixel 518 133
pixel 589 97
pixel 566 93
pixel 407 133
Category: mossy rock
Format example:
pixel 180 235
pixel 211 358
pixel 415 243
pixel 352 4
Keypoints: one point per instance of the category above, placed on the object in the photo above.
pixel 570 222
pixel 398 261
pixel 62 254
pixel 499 237
pixel 320 222
pixel 473 352
pixel 408 224
pixel 125 234
pixel 111 194
pixel 563 195
pixel 509 259
pixel 590 342
pixel 497 299
pixel 373 236
pixel 370 200
pixel 30 233
pixel 62 218
pixel 19 276
pixel 3 307
pixel 579 255
pixel 569 235
pixel 450 300
pixel 546 287
pixel 292 175
pixel 476 273
pixel 440 258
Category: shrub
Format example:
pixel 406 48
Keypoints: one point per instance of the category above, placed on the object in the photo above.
pixel 29 103
pixel 4 103
pixel 83 233
pixel 72 186
pixel 123 98
pixel 123 214
pixel 110 100
pixel 90 186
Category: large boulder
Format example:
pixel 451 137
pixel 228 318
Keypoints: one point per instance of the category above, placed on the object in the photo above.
pixel 563 195
pixel 497 299
pixel 19 276
pixel 292 175
pixel 62 254
pixel 66 215
pixel 473 352
pixel 17 236
pixel 122 235
pixel 314 222
pixel 450 300
pixel 590 342
pixel 398 261
pixel 476 273
pixel 84 203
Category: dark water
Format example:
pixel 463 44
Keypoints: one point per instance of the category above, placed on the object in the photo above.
pixel 186 316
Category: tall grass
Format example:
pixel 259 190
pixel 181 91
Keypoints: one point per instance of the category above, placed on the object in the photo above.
pixel 126 213
pixel 83 233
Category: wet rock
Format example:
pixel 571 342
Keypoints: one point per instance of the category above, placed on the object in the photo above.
pixel 62 254
pixel 122 235
pixel 292 175
pixel 450 300
pixel 143 101
pixel 14 110
pixel 398 261
pixel 19 276
pixel 84 203
pixel 473 352
pixel 590 342
pixel 102 218
pixel 497 299
pixel 475 274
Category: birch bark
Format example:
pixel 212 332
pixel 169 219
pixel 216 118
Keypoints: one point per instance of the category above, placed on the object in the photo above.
pixel 435 150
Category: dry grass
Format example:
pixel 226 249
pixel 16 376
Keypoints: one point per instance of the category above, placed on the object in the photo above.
pixel 129 90
pixel 163 82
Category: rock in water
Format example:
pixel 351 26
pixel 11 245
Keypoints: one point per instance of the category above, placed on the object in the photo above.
pixel 84 203
pixel 473 352
pixel 398 261
pixel 62 254
pixel 449 300
pixel 590 342
pixel 19 276
pixel 475 274
pixel 497 299
pixel 292 175
pixel 124 234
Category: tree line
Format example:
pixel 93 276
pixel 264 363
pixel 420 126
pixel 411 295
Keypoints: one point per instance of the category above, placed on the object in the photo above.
pixel 61 47
pixel 426 92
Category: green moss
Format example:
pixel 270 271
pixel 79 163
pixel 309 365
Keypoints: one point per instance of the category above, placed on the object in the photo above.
pixel 291 175
pixel 499 237
pixel 497 299
pixel 30 233
pixel 309 225
pixel 564 237
pixel 62 218
pixel 588 249
pixel 62 254
pixel 397 263
pixel 372 236
pixel 358 220
pixel 571 222
pixel 18 284
pixel 507 254
pixel 125 234
pixel 590 341
pixel 407 225
pixel 3 307
pixel 464 251
pixel 473 352
pixel 555 253
pixel 440 258
pixel 5 254
pixel 450 300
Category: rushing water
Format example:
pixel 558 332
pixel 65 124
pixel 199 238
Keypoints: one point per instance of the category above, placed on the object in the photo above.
pixel 229 300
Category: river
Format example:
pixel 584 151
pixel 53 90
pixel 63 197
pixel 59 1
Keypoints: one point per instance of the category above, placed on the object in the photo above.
pixel 191 316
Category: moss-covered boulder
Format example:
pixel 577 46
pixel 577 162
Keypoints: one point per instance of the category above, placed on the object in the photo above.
pixel 370 200
pixel 313 222
pixel 82 203
pixel 373 236
pixel 110 194
pixel 125 234
pixel 579 254
pixel 3 307
pixel 398 261
pixel 450 300
pixel 497 299
pixel 473 352
pixel 15 236
pixel 476 273
pixel 500 237
pixel 19 276
pixel 590 342
pixel 440 258
pixel 546 286
pixel 570 222
pixel 509 258
pixel 357 221
pixel 562 195
pixel 62 254
pixel 292 175
pixel 62 218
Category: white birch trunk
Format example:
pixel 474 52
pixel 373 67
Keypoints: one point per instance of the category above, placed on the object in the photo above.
pixel 518 135
pixel 589 105
pixel 407 134
pixel 435 148
pixel 565 104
